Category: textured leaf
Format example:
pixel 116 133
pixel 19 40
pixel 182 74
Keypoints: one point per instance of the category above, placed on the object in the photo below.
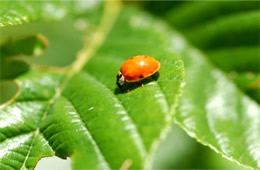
pixel 82 114
pixel 212 109
pixel 215 112
pixel 20 140
pixel 229 33
pixel 12 52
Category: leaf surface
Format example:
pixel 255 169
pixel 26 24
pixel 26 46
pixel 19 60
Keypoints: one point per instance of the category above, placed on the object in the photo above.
pixel 217 114
pixel 82 114
pixel 213 110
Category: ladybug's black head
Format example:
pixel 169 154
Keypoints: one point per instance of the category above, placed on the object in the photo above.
pixel 120 80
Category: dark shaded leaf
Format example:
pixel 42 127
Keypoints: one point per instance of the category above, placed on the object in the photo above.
pixel 12 51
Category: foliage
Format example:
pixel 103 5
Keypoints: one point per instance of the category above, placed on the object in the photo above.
pixel 13 50
pixel 228 34
pixel 77 111
pixel 213 110
pixel 98 117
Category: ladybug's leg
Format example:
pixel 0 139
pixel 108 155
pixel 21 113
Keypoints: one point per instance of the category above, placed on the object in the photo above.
pixel 141 84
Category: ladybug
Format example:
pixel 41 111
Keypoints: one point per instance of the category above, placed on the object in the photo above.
pixel 137 68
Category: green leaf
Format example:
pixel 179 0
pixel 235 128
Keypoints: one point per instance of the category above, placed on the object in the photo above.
pixel 216 113
pixel 183 154
pixel 228 34
pixel 21 142
pixel 32 45
pixel 13 52
pixel 24 11
pixel 8 89
pixel 192 14
pixel 212 109
pixel 216 34
pixel 239 59
pixel 63 43
pixel 82 114
pixel 248 82
pixel 19 12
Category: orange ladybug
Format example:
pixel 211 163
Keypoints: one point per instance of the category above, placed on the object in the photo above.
pixel 137 68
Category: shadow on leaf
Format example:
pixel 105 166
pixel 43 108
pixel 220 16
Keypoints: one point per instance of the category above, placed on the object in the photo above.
pixel 128 87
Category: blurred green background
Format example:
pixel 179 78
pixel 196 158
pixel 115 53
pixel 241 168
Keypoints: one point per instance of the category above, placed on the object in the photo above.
pixel 214 27
pixel 179 151
pixel 228 32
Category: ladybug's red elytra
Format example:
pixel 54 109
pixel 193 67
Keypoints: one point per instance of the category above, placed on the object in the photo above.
pixel 137 68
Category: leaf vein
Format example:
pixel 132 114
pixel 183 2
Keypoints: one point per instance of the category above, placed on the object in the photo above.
pixel 137 137
pixel 91 137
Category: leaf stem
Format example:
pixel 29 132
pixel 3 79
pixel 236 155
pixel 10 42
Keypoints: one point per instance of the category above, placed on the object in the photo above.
pixel 112 8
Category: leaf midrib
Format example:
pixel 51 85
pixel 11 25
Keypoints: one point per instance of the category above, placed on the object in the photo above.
pixel 128 115
pixel 149 151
